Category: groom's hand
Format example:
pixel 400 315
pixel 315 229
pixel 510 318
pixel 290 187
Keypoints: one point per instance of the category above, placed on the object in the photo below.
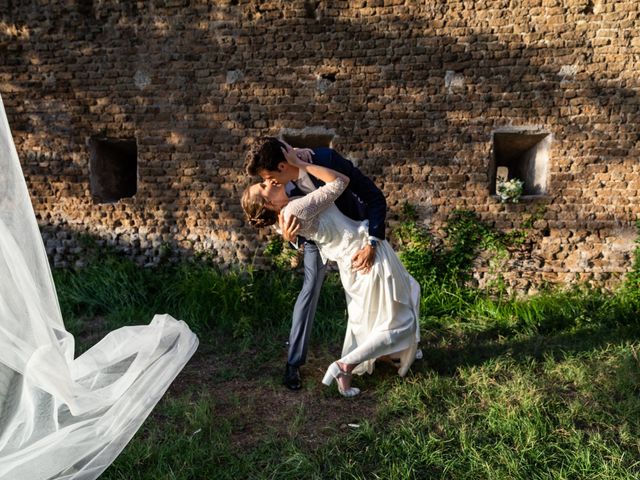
pixel 289 227
pixel 363 259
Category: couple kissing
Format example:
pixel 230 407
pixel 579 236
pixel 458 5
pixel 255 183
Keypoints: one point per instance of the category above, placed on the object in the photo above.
pixel 324 204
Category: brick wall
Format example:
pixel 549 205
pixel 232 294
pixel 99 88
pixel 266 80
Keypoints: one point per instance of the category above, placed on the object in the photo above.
pixel 411 91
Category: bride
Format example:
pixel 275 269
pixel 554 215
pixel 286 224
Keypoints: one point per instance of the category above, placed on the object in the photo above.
pixel 382 304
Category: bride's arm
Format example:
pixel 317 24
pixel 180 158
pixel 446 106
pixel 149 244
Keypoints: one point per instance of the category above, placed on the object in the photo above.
pixel 321 173
pixel 307 207
pixel 315 202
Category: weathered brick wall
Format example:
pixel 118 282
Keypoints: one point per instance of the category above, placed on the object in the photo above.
pixel 412 91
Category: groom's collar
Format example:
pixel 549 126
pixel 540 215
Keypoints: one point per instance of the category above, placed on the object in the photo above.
pixel 290 187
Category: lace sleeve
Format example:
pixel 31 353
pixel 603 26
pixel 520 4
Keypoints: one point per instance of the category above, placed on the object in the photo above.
pixel 315 202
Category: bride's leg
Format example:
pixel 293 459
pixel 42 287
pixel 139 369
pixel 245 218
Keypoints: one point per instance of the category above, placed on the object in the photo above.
pixel 345 380
pixel 341 373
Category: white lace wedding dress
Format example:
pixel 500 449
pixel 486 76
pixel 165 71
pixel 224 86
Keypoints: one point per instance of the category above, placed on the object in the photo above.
pixel 63 417
pixel 382 305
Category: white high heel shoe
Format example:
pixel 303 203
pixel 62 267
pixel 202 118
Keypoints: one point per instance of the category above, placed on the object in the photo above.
pixel 333 373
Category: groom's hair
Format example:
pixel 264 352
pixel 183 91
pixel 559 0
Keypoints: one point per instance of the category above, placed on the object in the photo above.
pixel 256 211
pixel 264 154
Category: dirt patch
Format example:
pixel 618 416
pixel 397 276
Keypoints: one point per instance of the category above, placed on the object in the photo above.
pixel 261 408
pixel 90 331
pixel 247 390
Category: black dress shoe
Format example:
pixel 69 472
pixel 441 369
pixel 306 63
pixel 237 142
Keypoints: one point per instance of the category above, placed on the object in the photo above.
pixel 292 378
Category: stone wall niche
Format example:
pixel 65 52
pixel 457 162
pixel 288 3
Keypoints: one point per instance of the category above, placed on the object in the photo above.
pixel 524 153
pixel 113 169
pixel 310 137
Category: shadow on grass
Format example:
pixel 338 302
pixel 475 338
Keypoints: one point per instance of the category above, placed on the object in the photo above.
pixel 472 350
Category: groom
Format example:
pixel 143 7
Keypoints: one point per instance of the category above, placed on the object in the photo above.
pixel 362 200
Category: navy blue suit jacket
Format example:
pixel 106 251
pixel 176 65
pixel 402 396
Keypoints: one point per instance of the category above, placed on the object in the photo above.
pixel 362 200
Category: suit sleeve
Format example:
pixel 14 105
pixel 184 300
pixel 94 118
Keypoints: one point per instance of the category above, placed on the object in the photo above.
pixel 366 190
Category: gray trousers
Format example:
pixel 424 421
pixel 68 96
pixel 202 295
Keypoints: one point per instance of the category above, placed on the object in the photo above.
pixel 304 310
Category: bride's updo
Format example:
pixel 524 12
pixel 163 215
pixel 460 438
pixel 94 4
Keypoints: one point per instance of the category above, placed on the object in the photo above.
pixel 256 211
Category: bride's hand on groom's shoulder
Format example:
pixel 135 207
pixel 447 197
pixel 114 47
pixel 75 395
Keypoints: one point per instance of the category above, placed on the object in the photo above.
pixel 289 227
pixel 304 154
pixel 290 155
pixel 296 156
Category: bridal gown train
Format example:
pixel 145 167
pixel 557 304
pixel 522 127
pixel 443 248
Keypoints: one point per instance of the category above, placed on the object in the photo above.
pixel 60 417
pixel 382 305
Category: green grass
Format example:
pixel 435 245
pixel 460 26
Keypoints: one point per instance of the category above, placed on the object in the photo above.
pixel 236 302
pixel 541 388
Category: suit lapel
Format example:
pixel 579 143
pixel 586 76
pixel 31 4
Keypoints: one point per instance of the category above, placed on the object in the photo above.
pixel 296 192
pixel 317 183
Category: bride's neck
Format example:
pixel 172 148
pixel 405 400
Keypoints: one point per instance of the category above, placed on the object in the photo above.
pixel 281 205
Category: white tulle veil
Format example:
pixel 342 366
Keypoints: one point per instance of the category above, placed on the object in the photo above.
pixel 60 417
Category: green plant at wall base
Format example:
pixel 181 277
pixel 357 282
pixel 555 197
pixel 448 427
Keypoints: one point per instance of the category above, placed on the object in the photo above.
pixel 205 257
pixel 165 250
pixel 444 266
pixel 534 217
pixel 518 236
pixel 416 245
pixel 409 212
pixel 280 253
pixel 632 284
pixel 410 234
pixel 87 241
pixel 274 247
pixel 467 236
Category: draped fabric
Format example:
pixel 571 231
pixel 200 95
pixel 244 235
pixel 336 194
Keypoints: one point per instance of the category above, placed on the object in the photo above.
pixel 63 417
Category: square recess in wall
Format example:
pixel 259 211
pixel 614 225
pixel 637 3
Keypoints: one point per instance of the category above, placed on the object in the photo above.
pixel 522 154
pixel 311 137
pixel 113 168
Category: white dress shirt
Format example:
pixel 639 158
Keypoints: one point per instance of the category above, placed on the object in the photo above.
pixel 303 182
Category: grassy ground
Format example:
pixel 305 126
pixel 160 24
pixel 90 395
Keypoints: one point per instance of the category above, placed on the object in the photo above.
pixel 541 388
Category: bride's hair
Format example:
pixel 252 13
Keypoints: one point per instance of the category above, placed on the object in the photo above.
pixel 256 211
pixel 265 153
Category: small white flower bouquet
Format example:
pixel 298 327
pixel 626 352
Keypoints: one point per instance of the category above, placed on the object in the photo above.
pixel 509 191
